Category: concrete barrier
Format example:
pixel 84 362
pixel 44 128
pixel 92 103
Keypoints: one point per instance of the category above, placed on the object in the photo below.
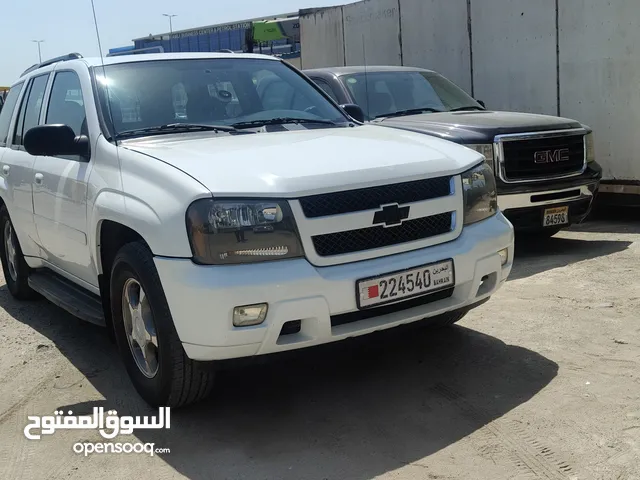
pixel 377 23
pixel 514 54
pixel 322 38
pixel 435 35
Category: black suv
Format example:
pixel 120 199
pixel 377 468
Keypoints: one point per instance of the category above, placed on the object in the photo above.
pixel 545 166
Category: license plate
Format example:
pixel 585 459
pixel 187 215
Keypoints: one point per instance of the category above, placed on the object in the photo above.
pixel 555 216
pixel 405 284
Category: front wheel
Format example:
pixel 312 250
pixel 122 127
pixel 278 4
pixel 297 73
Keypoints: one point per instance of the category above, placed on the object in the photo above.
pixel 16 270
pixel 147 339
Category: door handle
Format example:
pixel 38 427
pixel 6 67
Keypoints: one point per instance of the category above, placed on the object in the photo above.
pixel 39 177
pixel 6 169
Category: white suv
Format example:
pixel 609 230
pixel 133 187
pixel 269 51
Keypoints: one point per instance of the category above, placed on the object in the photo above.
pixel 217 206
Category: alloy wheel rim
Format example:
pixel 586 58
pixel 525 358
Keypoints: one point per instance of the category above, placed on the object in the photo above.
pixel 140 328
pixel 10 249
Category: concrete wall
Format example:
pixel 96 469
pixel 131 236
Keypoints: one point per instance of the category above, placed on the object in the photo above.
pixel 435 35
pixel 514 54
pixel 377 22
pixel 322 38
pixel 600 78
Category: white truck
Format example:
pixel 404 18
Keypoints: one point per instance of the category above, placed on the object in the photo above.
pixel 210 230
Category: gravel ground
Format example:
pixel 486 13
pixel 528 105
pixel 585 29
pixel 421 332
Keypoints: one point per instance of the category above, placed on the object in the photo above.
pixel 541 382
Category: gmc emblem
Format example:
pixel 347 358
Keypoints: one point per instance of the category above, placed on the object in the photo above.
pixel 551 156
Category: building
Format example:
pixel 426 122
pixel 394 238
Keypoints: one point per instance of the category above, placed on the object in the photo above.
pixel 279 36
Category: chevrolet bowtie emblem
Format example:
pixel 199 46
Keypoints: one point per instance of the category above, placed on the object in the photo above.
pixel 391 215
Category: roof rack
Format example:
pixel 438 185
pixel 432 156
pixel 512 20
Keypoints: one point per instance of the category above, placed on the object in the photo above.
pixel 63 58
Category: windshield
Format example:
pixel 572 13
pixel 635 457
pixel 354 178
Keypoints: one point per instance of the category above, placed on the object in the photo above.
pixel 390 92
pixel 242 92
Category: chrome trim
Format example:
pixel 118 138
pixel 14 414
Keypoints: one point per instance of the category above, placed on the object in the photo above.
pixel 523 200
pixel 512 137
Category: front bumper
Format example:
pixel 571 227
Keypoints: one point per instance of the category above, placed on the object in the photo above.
pixel 202 298
pixel 526 210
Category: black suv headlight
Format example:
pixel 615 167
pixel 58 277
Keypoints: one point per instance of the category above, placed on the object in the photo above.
pixel 232 231
pixel 480 195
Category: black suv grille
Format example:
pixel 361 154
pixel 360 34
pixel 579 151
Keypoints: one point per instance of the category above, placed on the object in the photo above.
pixel 371 198
pixel 543 157
pixel 379 237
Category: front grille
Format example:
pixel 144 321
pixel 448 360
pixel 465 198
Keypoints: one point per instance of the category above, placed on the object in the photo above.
pixel 378 237
pixel 520 157
pixel 371 198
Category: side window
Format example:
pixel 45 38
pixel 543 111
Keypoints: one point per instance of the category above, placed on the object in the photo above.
pixel 66 105
pixel 7 113
pixel 327 88
pixel 30 111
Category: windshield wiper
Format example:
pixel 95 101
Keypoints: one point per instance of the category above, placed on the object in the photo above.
pixel 280 121
pixel 470 107
pixel 178 128
pixel 411 111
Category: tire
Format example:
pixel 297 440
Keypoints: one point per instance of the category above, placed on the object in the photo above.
pixel 447 319
pixel 173 380
pixel 16 272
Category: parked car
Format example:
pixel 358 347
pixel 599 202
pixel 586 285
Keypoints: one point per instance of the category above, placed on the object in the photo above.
pixel 546 170
pixel 237 232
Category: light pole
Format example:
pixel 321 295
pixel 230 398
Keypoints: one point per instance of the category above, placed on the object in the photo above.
pixel 39 51
pixel 170 16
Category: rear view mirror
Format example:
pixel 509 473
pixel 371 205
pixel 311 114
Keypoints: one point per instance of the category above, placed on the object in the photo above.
pixel 354 111
pixel 55 140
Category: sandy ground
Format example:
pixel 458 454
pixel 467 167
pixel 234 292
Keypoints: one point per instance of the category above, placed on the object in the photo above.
pixel 541 382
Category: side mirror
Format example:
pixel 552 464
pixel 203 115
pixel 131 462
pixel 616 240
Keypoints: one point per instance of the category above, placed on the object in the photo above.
pixel 481 103
pixel 354 111
pixel 56 140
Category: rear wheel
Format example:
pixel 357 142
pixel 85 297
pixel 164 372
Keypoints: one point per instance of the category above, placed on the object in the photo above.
pixel 16 270
pixel 147 339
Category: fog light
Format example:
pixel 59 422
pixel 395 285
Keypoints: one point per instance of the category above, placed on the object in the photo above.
pixel 504 256
pixel 249 315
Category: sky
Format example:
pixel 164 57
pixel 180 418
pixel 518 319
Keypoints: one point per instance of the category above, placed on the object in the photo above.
pixel 67 25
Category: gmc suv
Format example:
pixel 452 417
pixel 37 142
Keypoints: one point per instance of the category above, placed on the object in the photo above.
pixel 545 167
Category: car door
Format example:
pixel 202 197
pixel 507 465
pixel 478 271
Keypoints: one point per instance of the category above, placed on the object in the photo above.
pixel 60 185
pixel 17 164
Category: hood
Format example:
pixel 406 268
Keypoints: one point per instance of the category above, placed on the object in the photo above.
pixel 478 126
pixel 306 161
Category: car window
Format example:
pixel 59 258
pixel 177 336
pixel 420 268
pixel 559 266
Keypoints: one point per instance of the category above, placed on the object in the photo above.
pixel 29 115
pixel 380 93
pixel 326 87
pixel 7 113
pixel 208 91
pixel 66 105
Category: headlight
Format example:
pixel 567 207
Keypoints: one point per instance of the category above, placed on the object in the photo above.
pixel 485 149
pixel 590 148
pixel 480 196
pixel 224 232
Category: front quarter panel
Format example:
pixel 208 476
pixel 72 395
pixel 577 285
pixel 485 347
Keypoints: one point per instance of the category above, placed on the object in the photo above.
pixel 152 198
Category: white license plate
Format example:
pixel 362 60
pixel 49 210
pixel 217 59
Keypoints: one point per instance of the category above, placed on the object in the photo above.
pixel 555 216
pixel 397 286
